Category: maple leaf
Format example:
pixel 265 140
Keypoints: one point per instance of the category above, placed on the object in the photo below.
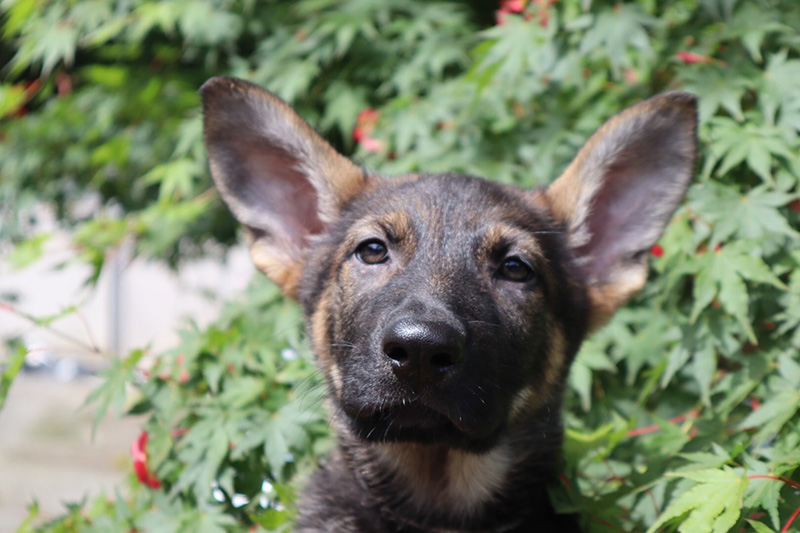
pixel 713 505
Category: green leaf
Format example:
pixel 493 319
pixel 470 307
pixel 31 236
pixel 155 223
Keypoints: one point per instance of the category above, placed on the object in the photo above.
pixel 270 519
pixel 27 525
pixel 11 368
pixel 751 25
pixel 56 45
pixel 732 292
pixel 522 52
pixel 641 347
pixel 704 366
pixel 12 97
pixel 28 251
pixel 695 341
pixel 705 289
pixel 112 392
pixel 616 31
pixel 781 77
pixel 754 141
pixel 749 216
pixel 346 102
pixel 579 443
pixel 111 76
pixel 759 527
pixel 779 409
pixel 241 391
pixel 789 369
pixel 752 268
pixel 713 504
pixel 591 357
pixel 718 87
pixel 16 15
pixel 704 460
pixel 765 493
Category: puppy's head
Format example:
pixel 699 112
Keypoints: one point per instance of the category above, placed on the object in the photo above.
pixel 444 308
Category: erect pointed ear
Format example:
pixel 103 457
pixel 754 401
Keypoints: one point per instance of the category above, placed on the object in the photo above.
pixel 619 193
pixel 281 180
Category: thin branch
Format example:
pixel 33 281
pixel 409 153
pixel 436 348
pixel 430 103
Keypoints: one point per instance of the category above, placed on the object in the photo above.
pixel 788 481
pixel 5 306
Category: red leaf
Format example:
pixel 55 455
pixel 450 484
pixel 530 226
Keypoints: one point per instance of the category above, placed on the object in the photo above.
pixel 512 6
pixel 692 58
pixel 365 124
pixel 139 454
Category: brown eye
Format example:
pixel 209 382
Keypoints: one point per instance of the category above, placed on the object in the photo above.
pixel 515 269
pixel 372 252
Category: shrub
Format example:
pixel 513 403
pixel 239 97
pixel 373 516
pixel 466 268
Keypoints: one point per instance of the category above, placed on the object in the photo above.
pixel 682 413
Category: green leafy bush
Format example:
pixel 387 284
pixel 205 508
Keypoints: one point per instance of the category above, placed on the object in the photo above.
pixel 682 413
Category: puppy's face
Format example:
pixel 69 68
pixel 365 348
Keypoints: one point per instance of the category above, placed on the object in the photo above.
pixel 446 309
pixel 440 306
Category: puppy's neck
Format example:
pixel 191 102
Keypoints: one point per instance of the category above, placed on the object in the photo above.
pixel 438 478
pixel 442 485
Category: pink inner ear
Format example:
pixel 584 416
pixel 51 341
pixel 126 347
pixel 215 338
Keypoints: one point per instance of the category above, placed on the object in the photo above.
pixel 635 200
pixel 280 194
pixel 612 213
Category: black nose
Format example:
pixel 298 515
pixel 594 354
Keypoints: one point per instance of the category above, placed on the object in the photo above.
pixel 422 351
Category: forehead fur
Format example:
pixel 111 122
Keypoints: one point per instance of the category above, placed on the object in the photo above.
pixel 446 205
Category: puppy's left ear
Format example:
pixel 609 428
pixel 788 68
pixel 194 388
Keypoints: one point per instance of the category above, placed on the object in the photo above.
pixel 617 196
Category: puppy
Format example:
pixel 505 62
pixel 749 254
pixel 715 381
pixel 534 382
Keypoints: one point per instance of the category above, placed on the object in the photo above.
pixel 445 310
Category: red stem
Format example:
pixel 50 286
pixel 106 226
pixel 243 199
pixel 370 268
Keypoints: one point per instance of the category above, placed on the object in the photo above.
pixel 694 413
pixel 788 481
pixel 791 519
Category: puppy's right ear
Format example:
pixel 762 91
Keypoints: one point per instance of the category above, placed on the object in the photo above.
pixel 281 180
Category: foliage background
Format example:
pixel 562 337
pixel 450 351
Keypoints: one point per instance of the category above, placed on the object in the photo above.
pixel 681 414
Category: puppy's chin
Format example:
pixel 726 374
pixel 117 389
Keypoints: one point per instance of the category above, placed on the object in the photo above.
pixel 416 423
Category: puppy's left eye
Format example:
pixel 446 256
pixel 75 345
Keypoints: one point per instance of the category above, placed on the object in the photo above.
pixel 372 252
pixel 515 269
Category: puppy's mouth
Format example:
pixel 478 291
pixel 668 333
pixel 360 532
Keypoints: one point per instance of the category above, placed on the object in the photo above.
pixel 419 423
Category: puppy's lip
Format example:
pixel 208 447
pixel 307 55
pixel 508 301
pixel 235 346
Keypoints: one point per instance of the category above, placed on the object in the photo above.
pixel 424 416
pixel 406 414
pixel 412 415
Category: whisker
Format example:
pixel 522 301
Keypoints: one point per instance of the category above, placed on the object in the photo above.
pixel 484 323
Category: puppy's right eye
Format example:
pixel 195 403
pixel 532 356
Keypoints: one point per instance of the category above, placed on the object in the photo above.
pixel 372 252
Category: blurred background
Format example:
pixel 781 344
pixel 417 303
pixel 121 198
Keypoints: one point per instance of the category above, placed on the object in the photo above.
pixel 48 452
pixel 121 276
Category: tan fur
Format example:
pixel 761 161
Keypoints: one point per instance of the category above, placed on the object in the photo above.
pixel 444 478
pixel 554 371
pixel 502 232
pixel 606 299
pixel 276 264
pixel 523 401
pixel 397 224
pixel 322 342
pixel 533 397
